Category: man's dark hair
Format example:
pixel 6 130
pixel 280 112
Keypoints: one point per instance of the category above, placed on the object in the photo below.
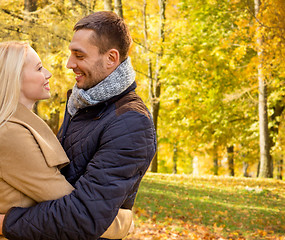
pixel 110 31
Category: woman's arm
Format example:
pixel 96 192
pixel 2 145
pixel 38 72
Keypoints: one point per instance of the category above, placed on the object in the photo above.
pixel 120 226
pixel 1 222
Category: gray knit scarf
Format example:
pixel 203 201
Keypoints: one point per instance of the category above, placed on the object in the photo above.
pixel 116 83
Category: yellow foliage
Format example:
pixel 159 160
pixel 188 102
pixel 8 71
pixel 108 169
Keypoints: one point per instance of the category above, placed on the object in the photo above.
pixel 207 75
pixel 240 52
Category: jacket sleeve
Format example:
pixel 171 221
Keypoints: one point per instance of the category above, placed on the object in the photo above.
pixel 126 149
pixel 23 166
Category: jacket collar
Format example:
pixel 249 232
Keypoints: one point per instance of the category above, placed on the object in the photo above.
pixel 97 110
pixel 116 98
pixel 92 112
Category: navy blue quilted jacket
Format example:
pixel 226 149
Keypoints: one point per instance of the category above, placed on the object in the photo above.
pixel 110 146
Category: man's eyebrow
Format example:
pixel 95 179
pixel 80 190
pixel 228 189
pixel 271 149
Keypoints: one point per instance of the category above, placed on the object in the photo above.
pixel 76 50
pixel 39 63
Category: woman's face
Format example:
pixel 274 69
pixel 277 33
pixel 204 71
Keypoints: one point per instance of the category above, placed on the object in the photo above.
pixel 35 80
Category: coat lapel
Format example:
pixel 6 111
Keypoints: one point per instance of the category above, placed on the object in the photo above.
pixel 47 141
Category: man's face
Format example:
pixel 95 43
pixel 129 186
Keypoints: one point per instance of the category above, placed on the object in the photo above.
pixel 85 61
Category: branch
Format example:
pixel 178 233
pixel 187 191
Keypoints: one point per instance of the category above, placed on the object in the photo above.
pixel 81 4
pixel 15 30
pixel 10 13
pixel 142 45
pixel 260 23
pixel 237 119
pixel 19 30
pixel 146 75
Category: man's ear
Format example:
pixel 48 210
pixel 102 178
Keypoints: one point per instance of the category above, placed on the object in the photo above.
pixel 113 58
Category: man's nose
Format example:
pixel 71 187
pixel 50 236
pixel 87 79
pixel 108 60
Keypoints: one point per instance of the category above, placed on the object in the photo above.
pixel 70 63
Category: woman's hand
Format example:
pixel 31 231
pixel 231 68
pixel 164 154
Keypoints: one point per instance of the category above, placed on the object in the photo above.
pixel 1 222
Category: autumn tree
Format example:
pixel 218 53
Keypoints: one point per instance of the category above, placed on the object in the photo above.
pixel 119 8
pixel 265 158
pixel 155 84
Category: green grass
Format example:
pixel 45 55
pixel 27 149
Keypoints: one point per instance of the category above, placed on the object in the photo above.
pixel 224 205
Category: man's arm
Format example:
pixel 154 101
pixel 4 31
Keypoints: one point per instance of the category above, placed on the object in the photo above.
pixel 111 175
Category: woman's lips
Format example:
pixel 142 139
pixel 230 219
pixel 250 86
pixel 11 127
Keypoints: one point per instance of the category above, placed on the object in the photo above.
pixel 46 86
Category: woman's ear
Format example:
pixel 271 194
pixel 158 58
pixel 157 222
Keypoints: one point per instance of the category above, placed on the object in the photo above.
pixel 113 58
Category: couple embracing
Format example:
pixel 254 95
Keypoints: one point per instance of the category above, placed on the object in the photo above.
pixel 82 185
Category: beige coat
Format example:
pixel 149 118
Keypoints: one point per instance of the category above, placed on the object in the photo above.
pixel 30 158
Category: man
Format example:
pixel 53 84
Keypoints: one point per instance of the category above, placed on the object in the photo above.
pixel 107 134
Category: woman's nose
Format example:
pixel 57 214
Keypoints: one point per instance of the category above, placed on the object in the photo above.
pixel 47 74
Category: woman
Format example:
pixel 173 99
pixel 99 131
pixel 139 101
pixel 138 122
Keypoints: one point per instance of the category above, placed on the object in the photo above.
pixel 30 155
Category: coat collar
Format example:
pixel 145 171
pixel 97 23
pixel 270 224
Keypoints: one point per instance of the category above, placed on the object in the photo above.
pixel 47 141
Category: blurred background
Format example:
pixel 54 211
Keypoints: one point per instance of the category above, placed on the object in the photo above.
pixel 211 73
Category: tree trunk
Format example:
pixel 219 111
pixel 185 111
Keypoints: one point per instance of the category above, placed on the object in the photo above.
pixel 85 7
pixel 154 164
pixel 30 5
pixel 119 8
pixel 54 121
pixel 215 160
pixel 280 168
pixel 108 5
pixel 174 158
pixel 244 169
pixel 258 169
pixel 154 111
pixel 195 166
pixel 230 152
pixel 88 7
pixel 265 158
pixel 156 84
pixel 150 76
pixel 278 109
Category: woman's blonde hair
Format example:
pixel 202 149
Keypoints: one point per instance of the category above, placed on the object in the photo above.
pixel 12 58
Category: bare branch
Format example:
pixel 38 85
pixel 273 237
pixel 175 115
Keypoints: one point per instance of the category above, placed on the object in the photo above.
pixel 11 13
pixel 144 74
pixel 259 22
pixel 143 46
pixel 81 4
